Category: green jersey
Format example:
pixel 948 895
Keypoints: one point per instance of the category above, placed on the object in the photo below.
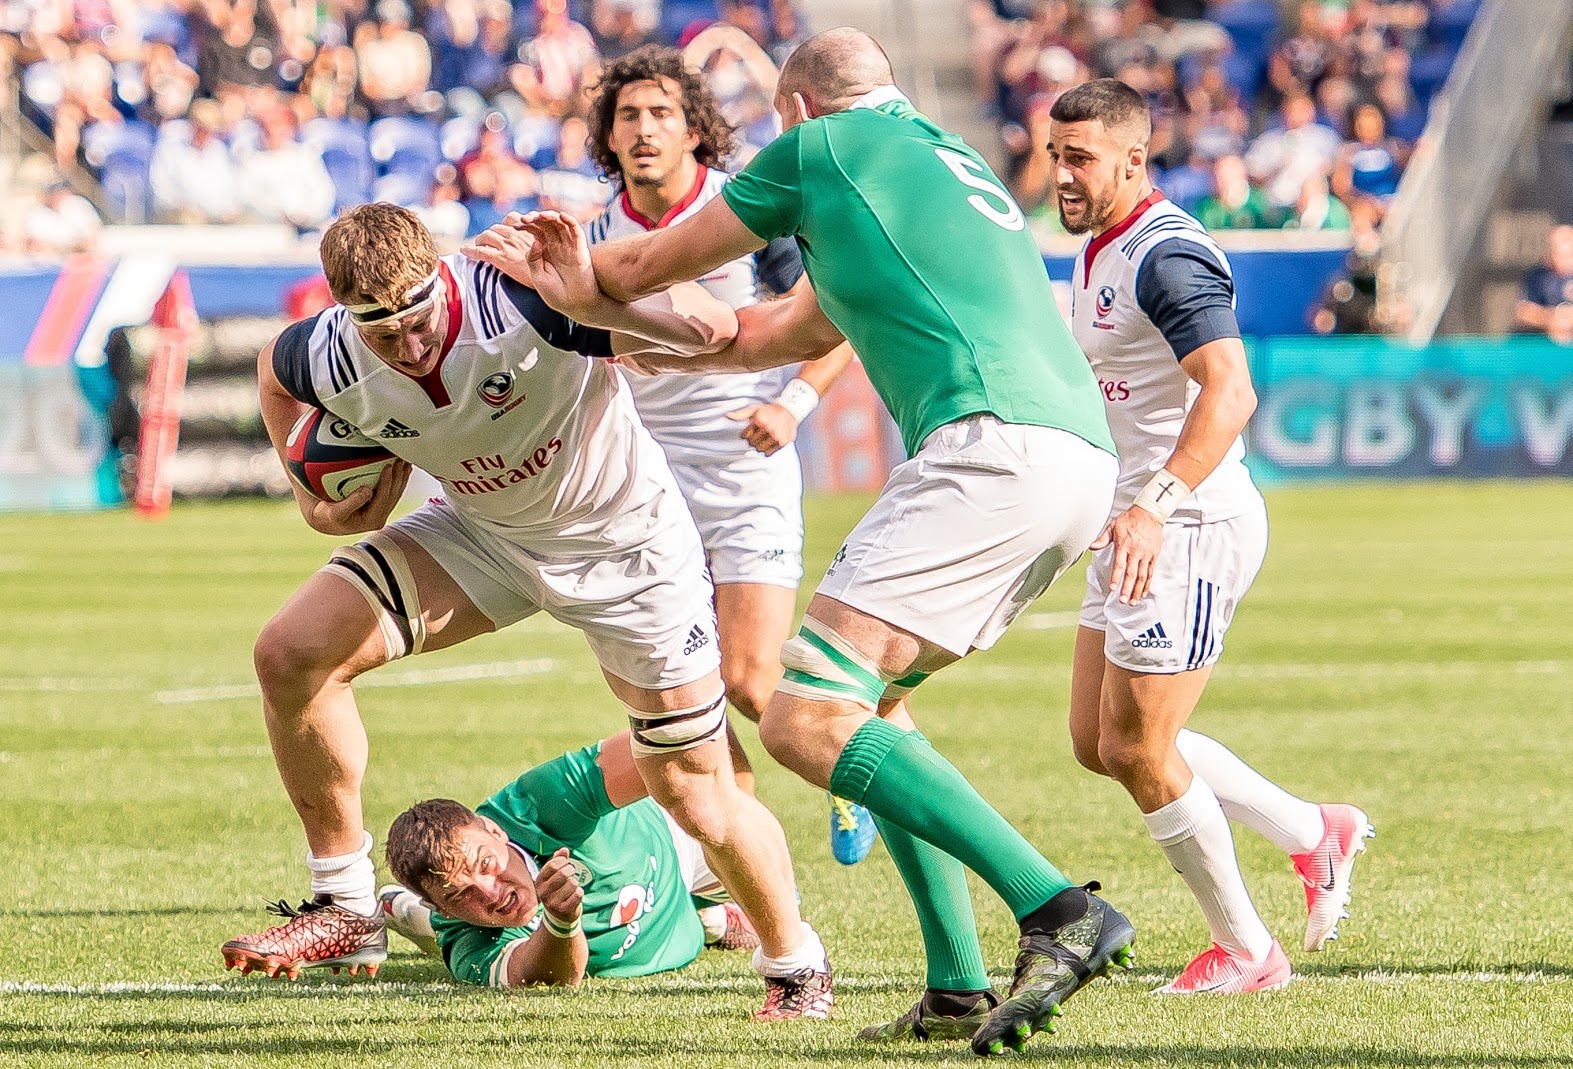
pixel 638 916
pixel 922 259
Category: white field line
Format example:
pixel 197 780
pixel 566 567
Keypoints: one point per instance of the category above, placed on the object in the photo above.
pixel 1364 671
pixel 379 988
pixel 414 677
pixel 417 677
pixel 63 684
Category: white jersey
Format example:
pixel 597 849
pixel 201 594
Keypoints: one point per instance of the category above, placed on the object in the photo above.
pixel 1145 295
pixel 527 432
pixel 687 413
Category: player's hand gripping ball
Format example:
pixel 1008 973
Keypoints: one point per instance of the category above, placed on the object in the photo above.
pixel 329 459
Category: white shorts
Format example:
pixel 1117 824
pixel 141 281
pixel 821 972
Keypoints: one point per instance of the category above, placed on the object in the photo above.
pixel 1202 572
pixel 749 510
pixel 972 529
pixel 697 876
pixel 646 610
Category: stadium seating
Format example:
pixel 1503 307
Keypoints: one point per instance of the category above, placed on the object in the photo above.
pixel 123 155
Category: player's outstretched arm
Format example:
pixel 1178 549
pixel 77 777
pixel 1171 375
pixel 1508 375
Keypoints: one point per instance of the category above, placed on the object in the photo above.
pixel 633 267
pixel 548 252
pixel 770 334
pixel 365 509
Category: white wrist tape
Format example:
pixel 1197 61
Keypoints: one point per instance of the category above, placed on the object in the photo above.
pixel 561 929
pixel 1162 495
pixel 799 398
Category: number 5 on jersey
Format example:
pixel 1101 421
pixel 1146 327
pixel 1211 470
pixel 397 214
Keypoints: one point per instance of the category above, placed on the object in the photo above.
pixel 963 167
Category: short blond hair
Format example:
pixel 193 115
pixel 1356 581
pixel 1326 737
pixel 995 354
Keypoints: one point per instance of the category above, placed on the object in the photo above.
pixel 377 253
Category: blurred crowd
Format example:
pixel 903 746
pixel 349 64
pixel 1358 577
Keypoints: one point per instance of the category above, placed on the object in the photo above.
pixel 285 111
pixel 1267 115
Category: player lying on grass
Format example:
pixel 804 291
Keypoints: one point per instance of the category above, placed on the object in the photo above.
pixel 1153 308
pixel 555 499
pixel 569 871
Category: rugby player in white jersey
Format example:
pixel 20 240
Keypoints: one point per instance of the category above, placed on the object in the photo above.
pixel 557 500
pixel 657 133
pixel 1153 308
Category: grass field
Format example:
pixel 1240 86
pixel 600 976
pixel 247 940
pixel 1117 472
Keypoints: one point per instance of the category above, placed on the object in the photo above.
pixel 1406 648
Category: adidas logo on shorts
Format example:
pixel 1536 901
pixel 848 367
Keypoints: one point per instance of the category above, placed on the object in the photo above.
pixel 394 429
pixel 1152 639
pixel 696 639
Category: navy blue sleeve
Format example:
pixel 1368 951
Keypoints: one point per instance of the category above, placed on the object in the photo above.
pixel 558 330
pixel 292 361
pixel 1187 294
pixel 779 265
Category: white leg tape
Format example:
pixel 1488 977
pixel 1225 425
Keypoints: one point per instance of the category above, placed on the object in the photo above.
pixel 820 665
pixel 376 567
pixel 655 734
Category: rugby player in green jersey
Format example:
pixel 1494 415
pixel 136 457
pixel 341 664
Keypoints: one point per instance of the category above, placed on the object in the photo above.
pixel 570 870
pixel 917 255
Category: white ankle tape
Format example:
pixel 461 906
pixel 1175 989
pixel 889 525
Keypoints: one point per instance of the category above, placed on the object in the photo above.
pixel 375 566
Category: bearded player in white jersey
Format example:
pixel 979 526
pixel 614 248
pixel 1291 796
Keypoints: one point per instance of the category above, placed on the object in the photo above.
pixel 555 499
pixel 657 134
pixel 1153 308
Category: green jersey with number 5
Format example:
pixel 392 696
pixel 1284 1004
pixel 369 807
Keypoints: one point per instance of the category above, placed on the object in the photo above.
pixel 922 259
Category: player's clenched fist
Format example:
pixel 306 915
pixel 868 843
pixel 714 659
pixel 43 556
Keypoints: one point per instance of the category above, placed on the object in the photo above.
pixel 557 886
pixel 769 427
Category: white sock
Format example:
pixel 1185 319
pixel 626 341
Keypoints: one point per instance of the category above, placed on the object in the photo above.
pixel 1292 824
pixel 350 878
pixel 810 954
pixel 713 918
pixel 1194 835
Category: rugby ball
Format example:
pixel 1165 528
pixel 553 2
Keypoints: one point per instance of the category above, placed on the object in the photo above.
pixel 330 459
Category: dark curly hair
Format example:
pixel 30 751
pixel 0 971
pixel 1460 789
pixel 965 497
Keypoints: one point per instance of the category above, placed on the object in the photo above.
pixel 656 63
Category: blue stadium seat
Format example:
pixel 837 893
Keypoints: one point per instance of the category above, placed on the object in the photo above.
pixel 459 135
pixel 122 153
pixel 676 15
pixel 1450 22
pixel 1253 27
pixel 406 147
pixel 342 145
pixel 1428 72
pixel 1185 185
pixel 407 190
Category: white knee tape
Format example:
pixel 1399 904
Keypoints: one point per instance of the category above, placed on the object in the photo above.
pixel 820 665
pixel 681 729
pixel 376 567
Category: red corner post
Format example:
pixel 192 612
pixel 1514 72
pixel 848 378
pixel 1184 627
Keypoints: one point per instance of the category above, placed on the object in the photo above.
pixel 175 317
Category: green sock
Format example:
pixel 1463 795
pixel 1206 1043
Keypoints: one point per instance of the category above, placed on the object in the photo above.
pixel 938 886
pixel 903 779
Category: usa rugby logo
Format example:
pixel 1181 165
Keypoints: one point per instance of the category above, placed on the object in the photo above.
pixel 1105 303
pixel 496 389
